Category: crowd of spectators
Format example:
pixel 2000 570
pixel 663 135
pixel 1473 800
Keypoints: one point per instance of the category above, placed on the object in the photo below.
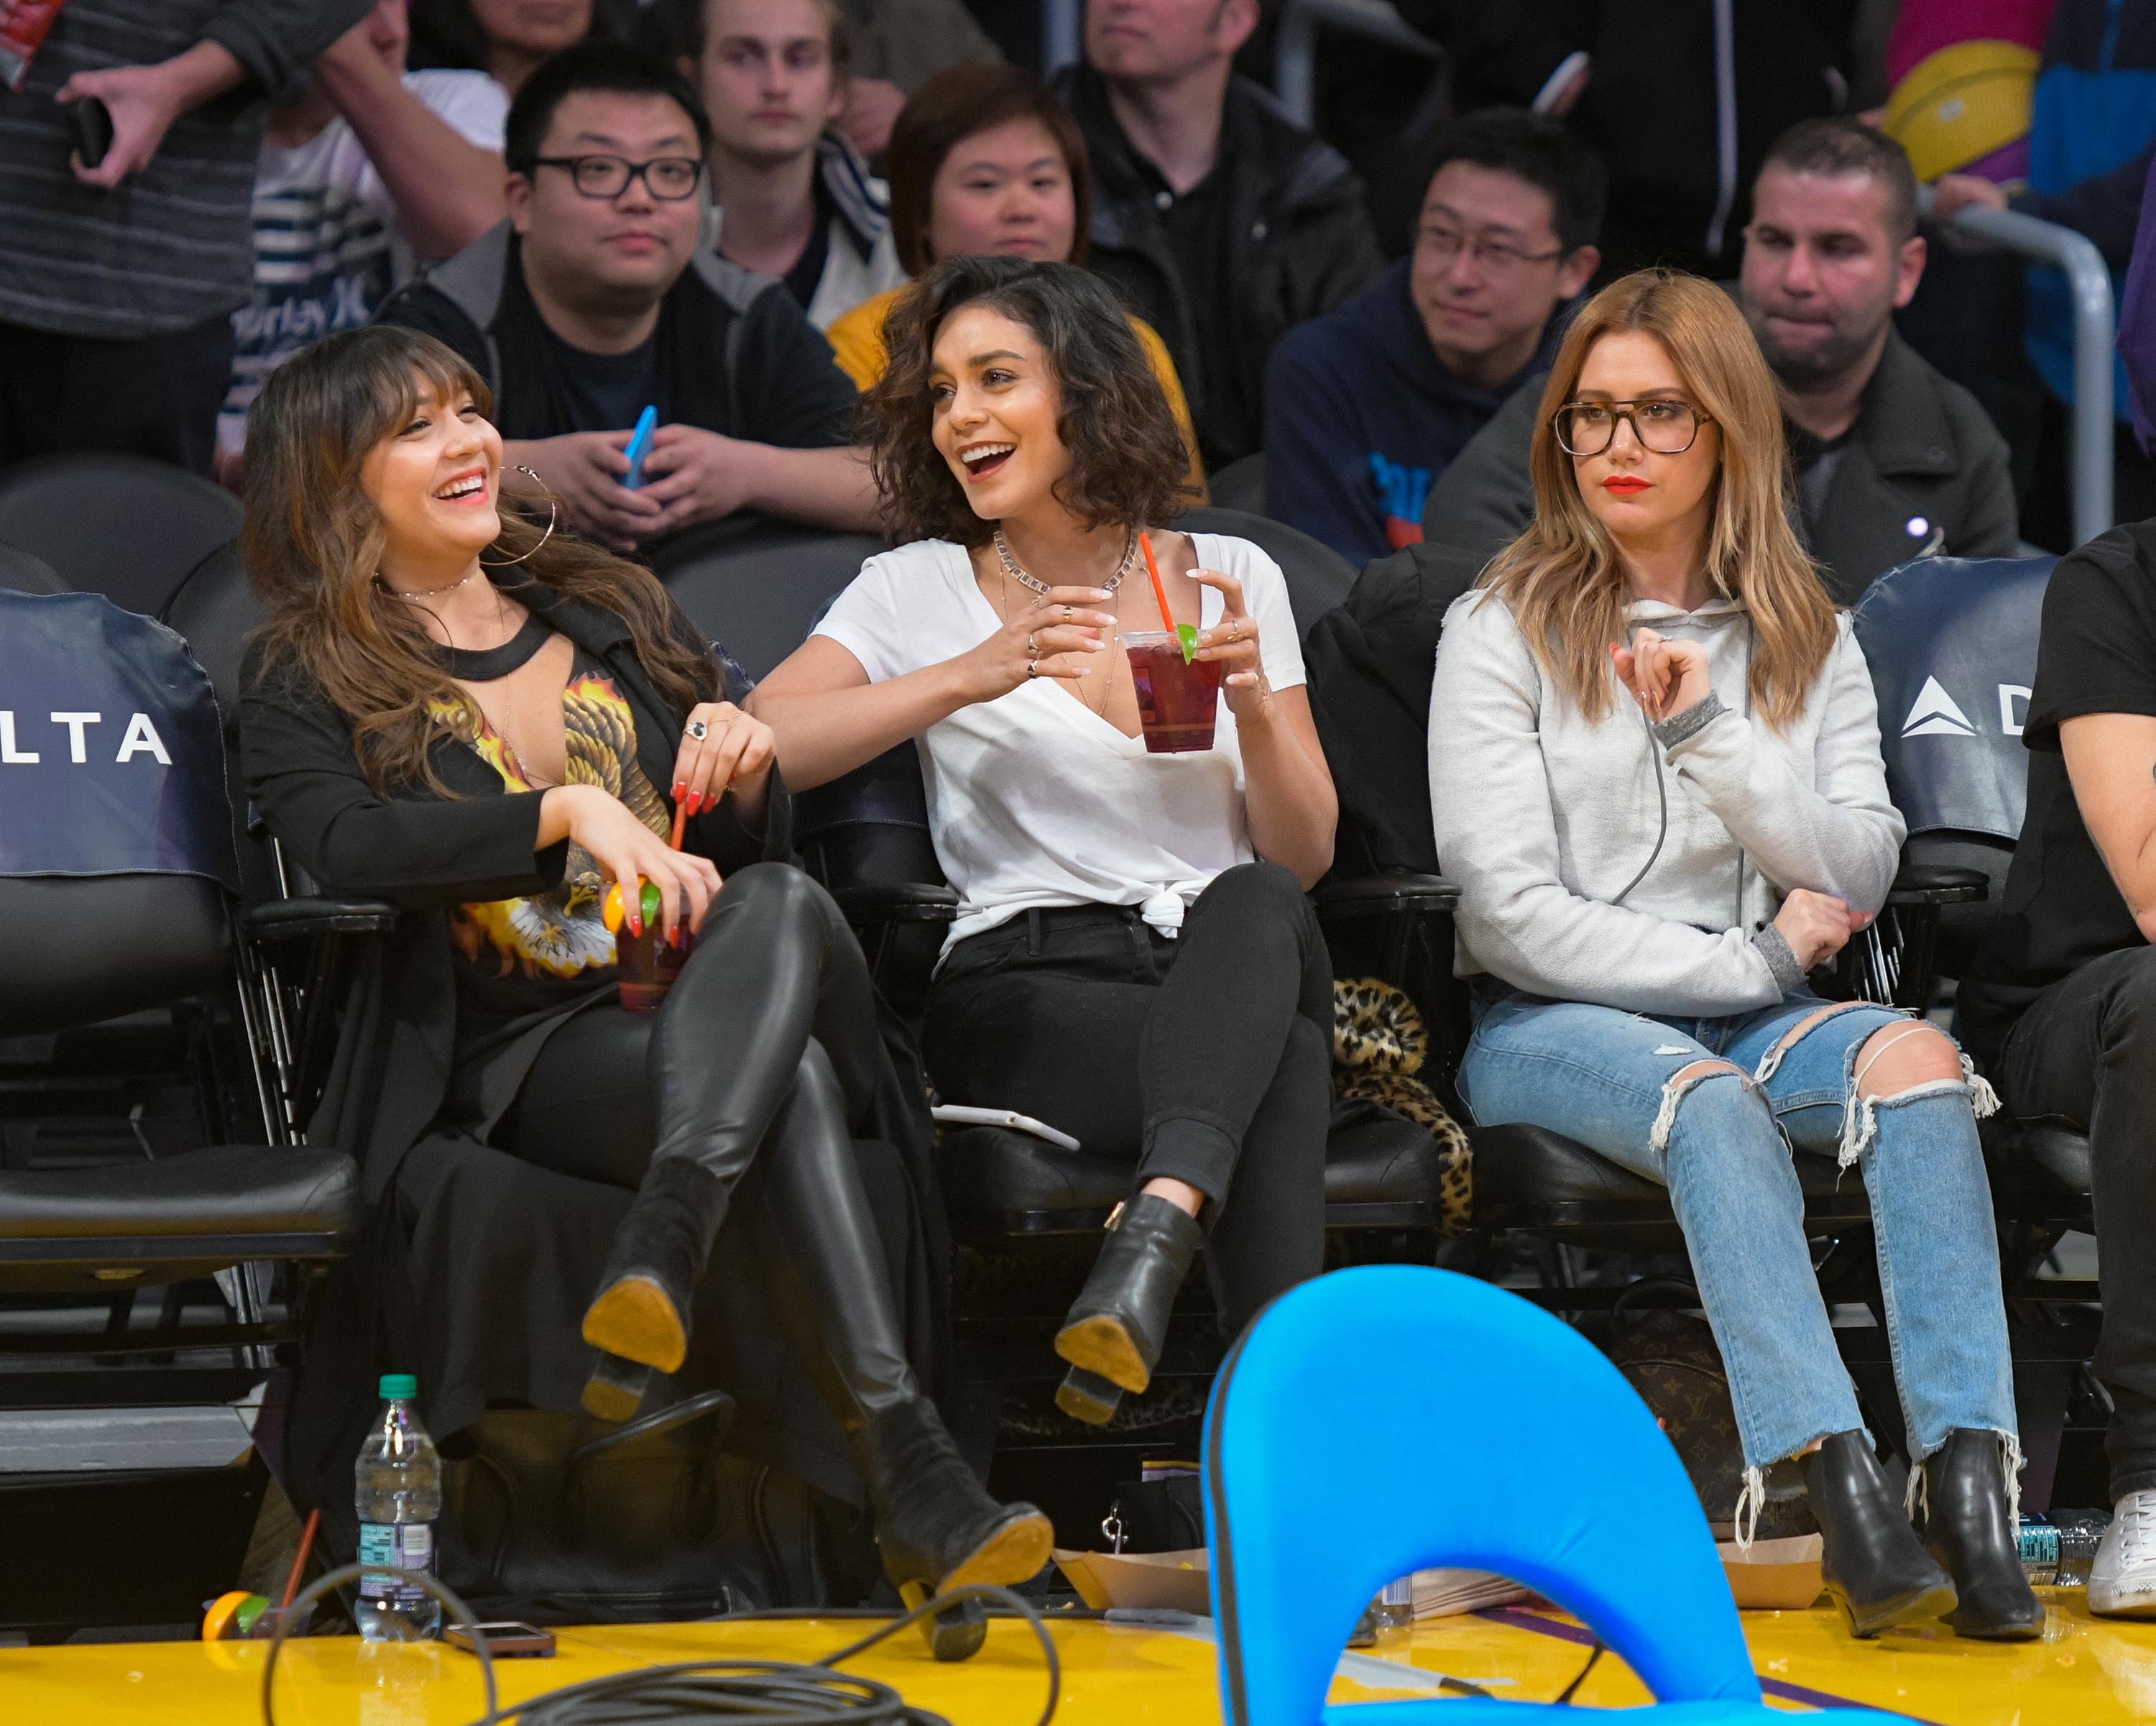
pixel 673 241
pixel 283 169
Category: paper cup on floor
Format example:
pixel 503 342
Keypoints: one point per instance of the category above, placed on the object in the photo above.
pixel 1781 1576
pixel 1175 1581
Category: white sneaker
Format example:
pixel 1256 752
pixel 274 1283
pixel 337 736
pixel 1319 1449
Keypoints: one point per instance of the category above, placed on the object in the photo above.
pixel 2123 1582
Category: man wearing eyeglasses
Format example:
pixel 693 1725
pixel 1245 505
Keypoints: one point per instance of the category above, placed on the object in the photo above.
pixel 598 298
pixel 1365 408
pixel 1893 460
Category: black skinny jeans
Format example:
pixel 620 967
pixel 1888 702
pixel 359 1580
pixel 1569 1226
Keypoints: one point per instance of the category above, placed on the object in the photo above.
pixel 759 1065
pixel 1205 1059
pixel 2085 1052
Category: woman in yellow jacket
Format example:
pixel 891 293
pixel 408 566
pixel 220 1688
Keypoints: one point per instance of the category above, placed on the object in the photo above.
pixel 984 159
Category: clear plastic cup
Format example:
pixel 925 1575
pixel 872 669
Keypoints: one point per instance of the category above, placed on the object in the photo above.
pixel 1177 701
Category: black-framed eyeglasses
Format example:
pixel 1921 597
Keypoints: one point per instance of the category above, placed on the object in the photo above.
pixel 669 178
pixel 1662 428
pixel 1445 244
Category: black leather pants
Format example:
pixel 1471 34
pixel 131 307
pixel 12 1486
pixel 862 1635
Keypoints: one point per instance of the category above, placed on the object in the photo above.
pixel 758 1067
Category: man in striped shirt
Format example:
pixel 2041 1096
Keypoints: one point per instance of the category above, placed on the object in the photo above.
pixel 117 283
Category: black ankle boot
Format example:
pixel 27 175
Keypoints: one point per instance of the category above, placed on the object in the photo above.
pixel 1966 1530
pixel 1115 1330
pixel 936 1525
pixel 641 1313
pixel 1873 1565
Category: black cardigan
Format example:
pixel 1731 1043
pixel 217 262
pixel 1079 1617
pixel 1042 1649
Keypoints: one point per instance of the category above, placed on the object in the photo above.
pixel 425 853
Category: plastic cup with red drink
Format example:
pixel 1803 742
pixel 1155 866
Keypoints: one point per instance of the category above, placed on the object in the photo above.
pixel 1177 698
pixel 648 962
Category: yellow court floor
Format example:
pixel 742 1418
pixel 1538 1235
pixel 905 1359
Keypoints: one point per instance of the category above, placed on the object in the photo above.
pixel 2085 1672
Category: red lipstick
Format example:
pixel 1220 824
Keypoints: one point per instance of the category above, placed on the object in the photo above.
pixel 1627 485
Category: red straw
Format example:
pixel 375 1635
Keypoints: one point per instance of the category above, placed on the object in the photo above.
pixel 300 1558
pixel 1159 592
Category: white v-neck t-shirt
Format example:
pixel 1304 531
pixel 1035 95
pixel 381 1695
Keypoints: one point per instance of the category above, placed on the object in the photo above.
pixel 1034 799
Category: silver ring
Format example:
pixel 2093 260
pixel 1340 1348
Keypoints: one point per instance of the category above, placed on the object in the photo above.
pixel 697 729
pixel 1032 668
pixel 1032 646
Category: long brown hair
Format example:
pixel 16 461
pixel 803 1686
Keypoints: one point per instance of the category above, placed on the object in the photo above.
pixel 1561 579
pixel 313 541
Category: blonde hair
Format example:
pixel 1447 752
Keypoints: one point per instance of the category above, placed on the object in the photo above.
pixel 1561 579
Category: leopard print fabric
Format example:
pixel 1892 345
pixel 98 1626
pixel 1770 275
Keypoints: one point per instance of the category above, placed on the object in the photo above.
pixel 1379 1044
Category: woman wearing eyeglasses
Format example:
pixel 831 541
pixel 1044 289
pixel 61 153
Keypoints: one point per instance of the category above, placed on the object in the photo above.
pixel 596 299
pixel 1655 771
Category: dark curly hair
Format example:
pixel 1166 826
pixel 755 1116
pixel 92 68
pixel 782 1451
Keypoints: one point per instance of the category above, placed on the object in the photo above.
pixel 1129 466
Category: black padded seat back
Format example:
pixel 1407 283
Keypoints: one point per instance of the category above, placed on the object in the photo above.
pixel 757 590
pixel 121 526
pixel 76 949
pixel 1318 578
pixel 869 828
pixel 1241 485
pixel 213 613
pixel 25 573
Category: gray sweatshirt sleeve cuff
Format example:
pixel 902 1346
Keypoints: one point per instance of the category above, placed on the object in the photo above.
pixel 1689 723
pixel 1781 958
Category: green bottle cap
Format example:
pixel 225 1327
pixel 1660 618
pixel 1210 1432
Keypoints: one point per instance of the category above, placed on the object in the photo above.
pixel 397 1385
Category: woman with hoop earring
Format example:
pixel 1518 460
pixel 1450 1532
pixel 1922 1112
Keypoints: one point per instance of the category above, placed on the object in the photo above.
pixel 491 724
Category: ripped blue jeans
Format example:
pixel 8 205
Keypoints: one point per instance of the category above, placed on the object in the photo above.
pixel 1720 1143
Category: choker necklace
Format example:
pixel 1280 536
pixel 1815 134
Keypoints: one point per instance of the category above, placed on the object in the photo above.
pixel 1019 574
pixel 425 592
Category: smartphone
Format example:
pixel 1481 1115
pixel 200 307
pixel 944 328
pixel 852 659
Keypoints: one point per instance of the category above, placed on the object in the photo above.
pixel 93 130
pixel 961 1115
pixel 505 1640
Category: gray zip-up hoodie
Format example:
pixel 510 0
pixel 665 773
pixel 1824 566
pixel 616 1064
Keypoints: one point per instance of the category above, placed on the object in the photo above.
pixel 1545 819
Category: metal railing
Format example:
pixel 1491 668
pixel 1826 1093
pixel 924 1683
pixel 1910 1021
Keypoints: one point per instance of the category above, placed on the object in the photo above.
pixel 2088 282
pixel 1294 48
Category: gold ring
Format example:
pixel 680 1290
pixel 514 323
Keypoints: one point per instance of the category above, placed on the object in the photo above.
pixel 1032 668
pixel 1067 614
pixel 1032 646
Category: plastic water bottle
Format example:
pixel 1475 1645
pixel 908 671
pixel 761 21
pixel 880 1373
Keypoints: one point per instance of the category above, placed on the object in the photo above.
pixel 1395 1608
pixel 399 1494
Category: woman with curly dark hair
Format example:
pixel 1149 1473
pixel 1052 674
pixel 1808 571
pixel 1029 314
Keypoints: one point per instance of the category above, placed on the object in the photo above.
pixel 1134 961
pixel 499 728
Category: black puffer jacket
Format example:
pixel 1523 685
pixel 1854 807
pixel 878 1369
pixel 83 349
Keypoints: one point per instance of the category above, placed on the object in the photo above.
pixel 1302 243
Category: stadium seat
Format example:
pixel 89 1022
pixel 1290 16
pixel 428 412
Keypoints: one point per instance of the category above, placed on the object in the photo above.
pixel 1318 578
pixel 1575 1492
pixel 1241 485
pixel 756 586
pixel 24 573
pixel 121 526
pixel 1952 644
pixel 82 947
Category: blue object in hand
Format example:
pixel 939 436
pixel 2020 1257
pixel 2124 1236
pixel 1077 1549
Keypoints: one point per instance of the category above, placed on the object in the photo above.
pixel 640 446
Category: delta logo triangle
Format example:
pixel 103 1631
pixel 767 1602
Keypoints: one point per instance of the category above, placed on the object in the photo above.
pixel 1936 716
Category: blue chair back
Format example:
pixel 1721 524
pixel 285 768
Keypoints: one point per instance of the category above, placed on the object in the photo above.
pixel 1505 1442
pixel 1952 645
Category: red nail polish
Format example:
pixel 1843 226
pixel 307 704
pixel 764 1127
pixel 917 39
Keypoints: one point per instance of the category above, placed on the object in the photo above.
pixel 680 787
pixel 696 801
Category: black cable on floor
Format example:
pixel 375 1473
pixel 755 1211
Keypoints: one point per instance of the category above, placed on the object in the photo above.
pixel 778 1692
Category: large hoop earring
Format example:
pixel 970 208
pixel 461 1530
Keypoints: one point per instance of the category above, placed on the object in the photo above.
pixel 553 515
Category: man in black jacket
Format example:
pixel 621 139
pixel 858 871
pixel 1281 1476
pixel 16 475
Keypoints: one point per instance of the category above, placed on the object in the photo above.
pixel 1894 460
pixel 1219 219
pixel 597 298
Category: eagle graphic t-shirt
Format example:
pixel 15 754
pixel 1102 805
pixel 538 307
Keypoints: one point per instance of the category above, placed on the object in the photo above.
pixel 521 962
